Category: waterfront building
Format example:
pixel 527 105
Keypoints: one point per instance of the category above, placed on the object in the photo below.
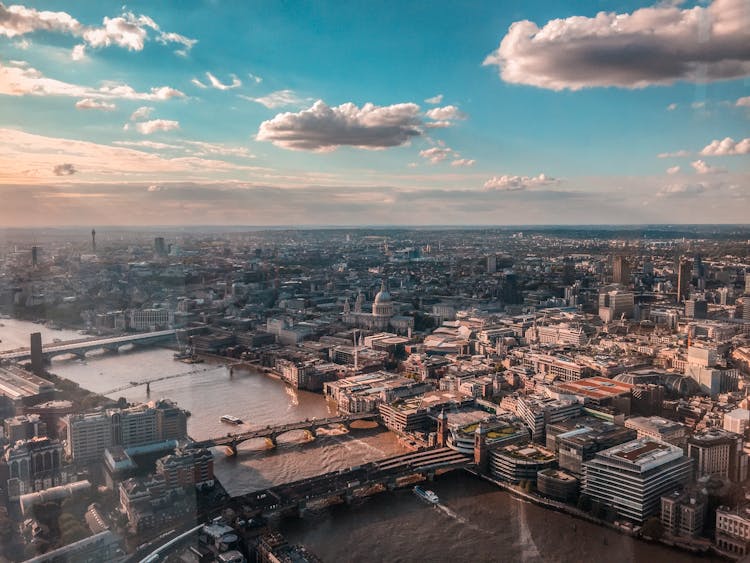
pixel 577 440
pixel 557 484
pixel 733 529
pixel 134 426
pixel 520 462
pixel 683 513
pixel 88 435
pixel 718 452
pixel 414 414
pixel 363 393
pixel 151 319
pixel 171 420
pixel 19 388
pixel 632 477
pixel 464 426
pixel 658 428
pixel 187 468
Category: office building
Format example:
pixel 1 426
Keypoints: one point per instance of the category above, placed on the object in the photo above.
pixel 683 514
pixel 684 276
pixel 621 270
pixel 537 413
pixel 657 428
pixel 615 305
pixel 632 477
pixel 520 462
pixel 737 421
pixel 718 452
pixel 696 308
pixel 733 529
pixel 88 435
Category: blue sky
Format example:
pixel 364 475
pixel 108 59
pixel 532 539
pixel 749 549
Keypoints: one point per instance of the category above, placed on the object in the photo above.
pixel 374 113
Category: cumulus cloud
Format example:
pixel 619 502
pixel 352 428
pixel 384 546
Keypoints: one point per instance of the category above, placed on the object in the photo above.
pixel 517 183
pixel 279 98
pixel 674 154
pixel 88 103
pixel 218 84
pixel 726 147
pixel 324 128
pixel 149 127
pixel 446 113
pixel 436 154
pixel 27 81
pixel 671 107
pixel 64 170
pixel 673 170
pixel 78 53
pixel 142 112
pixel 686 189
pixel 657 45
pixel 255 78
pixel 702 167
pixel 434 100
pixel 463 162
pixel 128 30
pixel 743 102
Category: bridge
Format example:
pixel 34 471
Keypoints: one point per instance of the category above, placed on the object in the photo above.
pixel 273 432
pixel 348 484
pixel 81 347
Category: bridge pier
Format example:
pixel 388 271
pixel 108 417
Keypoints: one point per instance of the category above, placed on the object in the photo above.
pixel 271 441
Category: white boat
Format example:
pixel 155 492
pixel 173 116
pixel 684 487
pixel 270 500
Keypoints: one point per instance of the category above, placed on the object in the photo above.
pixel 228 418
pixel 429 496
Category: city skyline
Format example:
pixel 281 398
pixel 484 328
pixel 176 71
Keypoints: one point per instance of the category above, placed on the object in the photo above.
pixel 356 114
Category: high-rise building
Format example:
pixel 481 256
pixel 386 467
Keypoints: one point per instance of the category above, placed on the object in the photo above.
pixel 632 477
pixel 696 308
pixel 491 264
pixel 621 270
pixel 93 241
pixel 88 435
pixel 684 275
pixel 34 256
pixel 615 304
pixel 37 359
pixel 747 283
pixel 160 247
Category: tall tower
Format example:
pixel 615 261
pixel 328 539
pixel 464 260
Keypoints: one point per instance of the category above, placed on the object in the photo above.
pixel 93 240
pixel 684 275
pixel 37 360
pixel 621 271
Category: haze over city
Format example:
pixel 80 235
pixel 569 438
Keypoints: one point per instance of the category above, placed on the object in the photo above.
pixel 374 113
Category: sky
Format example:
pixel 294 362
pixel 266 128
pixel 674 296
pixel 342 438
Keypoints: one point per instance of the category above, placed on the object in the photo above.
pixel 374 113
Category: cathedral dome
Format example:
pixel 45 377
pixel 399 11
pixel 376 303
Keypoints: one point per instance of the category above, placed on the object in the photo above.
pixel 383 296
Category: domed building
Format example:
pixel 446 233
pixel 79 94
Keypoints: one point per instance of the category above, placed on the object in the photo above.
pixel 382 316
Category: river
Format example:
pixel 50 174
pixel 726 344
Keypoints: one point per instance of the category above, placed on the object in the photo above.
pixel 474 522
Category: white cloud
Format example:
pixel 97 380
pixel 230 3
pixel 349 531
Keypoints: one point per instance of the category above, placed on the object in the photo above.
pixel 702 167
pixel 88 103
pixel 255 78
pixel 146 145
pixel 435 99
pixel 446 113
pixel 279 98
pixel 78 53
pixel 324 128
pixel 651 46
pixel 673 170
pixel 149 127
pixel 726 147
pixel 198 83
pixel 128 30
pixel 436 154
pixel 27 81
pixel 671 107
pixel 463 162
pixel 517 183
pixel 674 154
pixel 142 112
pixel 743 102
pixel 216 83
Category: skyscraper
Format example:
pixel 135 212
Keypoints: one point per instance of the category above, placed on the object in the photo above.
pixel 684 275
pixel 34 256
pixel 160 248
pixel 93 240
pixel 621 271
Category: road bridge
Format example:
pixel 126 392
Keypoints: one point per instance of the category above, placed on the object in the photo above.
pixel 273 432
pixel 347 484
pixel 81 347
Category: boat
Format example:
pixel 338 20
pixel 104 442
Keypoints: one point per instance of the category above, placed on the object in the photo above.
pixel 228 418
pixel 429 496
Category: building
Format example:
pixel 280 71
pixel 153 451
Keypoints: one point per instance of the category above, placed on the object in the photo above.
pixel 684 277
pixel 20 388
pixel 537 413
pixel 683 514
pixel 632 477
pixel 554 367
pixel 718 452
pixel 151 319
pixel 104 546
pixel 414 414
pixel 600 392
pixel 88 435
pixel 577 440
pixel 520 462
pixel 382 316
pixel 696 308
pixel 171 421
pixel 616 304
pixel 187 468
pixel 737 421
pixel 34 465
pixel 733 529
pixel 621 271
pixel 363 393
pixel 134 426
pixel 657 428
pixel 557 484
pixel 24 427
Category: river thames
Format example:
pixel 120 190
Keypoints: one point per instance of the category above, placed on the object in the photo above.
pixel 475 521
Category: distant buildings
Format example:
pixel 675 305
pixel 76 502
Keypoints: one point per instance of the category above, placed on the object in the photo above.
pixel 616 304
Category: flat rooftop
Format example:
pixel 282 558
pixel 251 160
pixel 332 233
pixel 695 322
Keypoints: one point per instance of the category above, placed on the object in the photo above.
pixel 596 387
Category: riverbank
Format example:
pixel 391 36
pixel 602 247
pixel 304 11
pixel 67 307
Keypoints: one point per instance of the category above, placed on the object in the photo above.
pixel 631 531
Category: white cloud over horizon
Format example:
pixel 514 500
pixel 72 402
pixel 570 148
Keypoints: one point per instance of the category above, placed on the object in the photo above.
pixel 509 182
pixel 656 45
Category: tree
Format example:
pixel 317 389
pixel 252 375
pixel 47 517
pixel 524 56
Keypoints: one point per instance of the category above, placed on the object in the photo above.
pixel 652 528
pixel 584 503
